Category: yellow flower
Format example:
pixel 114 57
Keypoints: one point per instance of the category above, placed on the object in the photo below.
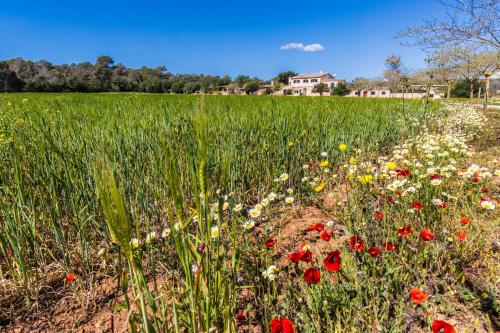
pixel 215 232
pixel 365 179
pixel 320 187
pixel 342 147
pixel 134 243
pixel 350 175
pixel 324 164
pixel 352 160
pixel 390 165
pixel 290 143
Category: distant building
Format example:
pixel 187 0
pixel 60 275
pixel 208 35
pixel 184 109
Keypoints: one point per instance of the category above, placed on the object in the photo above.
pixel 414 91
pixel 379 92
pixel 303 84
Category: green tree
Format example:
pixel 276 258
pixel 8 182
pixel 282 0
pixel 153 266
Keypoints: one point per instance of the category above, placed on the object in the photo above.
pixel 340 90
pixel 9 81
pixel 177 88
pixel 462 88
pixel 284 76
pixel 192 87
pixel 251 87
pixel 320 88
pixel 268 91
pixel 242 80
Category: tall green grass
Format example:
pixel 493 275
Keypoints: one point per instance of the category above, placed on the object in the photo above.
pixel 163 154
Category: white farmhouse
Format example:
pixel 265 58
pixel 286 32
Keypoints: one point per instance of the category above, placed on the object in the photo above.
pixel 303 84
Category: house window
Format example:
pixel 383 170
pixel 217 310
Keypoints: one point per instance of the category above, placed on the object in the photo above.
pixel 383 92
pixel 314 80
pixel 356 93
pixel 305 81
pixel 296 81
pixel 372 93
pixel 332 85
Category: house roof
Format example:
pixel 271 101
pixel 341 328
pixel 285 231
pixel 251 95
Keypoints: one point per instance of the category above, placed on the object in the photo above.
pixel 310 76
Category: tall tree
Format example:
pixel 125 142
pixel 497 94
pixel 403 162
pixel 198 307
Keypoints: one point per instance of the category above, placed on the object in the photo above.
pixel 9 81
pixel 284 76
pixel 486 64
pixel 394 71
pixel 467 22
pixel 320 88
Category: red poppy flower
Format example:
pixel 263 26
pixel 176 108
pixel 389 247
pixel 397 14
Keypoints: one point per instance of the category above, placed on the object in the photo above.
pixel 332 261
pixel 374 252
pixel 304 255
pixel 356 244
pixel 312 276
pixel 417 205
pixel 461 235
pixel 465 220
pixel 405 231
pixel 317 227
pixel 282 325
pixel 326 235
pixel 399 194
pixel 485 190
pixel 440 326
pixel 389 198
pixel 241 317
pixel 70 277
pixel 436 177
pixel 403 172
pixel 270 243
pixel 390 247
pixel 418 296
pixel 310 163
pixel 443 205
pixel 307 256
pixel 378 215
pixel 426 235
pixel 295 256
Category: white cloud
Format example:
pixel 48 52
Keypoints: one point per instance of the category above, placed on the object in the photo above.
pixel 304 48
pixel 292 46
pixel 313 48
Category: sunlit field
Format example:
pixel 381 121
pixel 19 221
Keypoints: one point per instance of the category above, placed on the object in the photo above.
pixel 246 214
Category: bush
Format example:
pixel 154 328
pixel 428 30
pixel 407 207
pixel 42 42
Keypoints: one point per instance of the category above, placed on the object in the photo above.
pixel 340 90
pixel 462 88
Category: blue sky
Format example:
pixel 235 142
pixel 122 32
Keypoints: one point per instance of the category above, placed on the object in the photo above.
pixel 216 37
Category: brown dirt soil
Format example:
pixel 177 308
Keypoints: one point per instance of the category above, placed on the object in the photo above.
pixel 291 231
pixel 74 313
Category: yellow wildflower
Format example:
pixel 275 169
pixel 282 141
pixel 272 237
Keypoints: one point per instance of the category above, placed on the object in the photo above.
pixel 365 179
pixel 215 232
pixel 390 165
pixel 320 187
pixel 352 160
pixel 342 147
pixel 324 164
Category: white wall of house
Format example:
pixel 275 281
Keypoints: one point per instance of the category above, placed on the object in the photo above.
pixel 304 85
pixel 386 93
